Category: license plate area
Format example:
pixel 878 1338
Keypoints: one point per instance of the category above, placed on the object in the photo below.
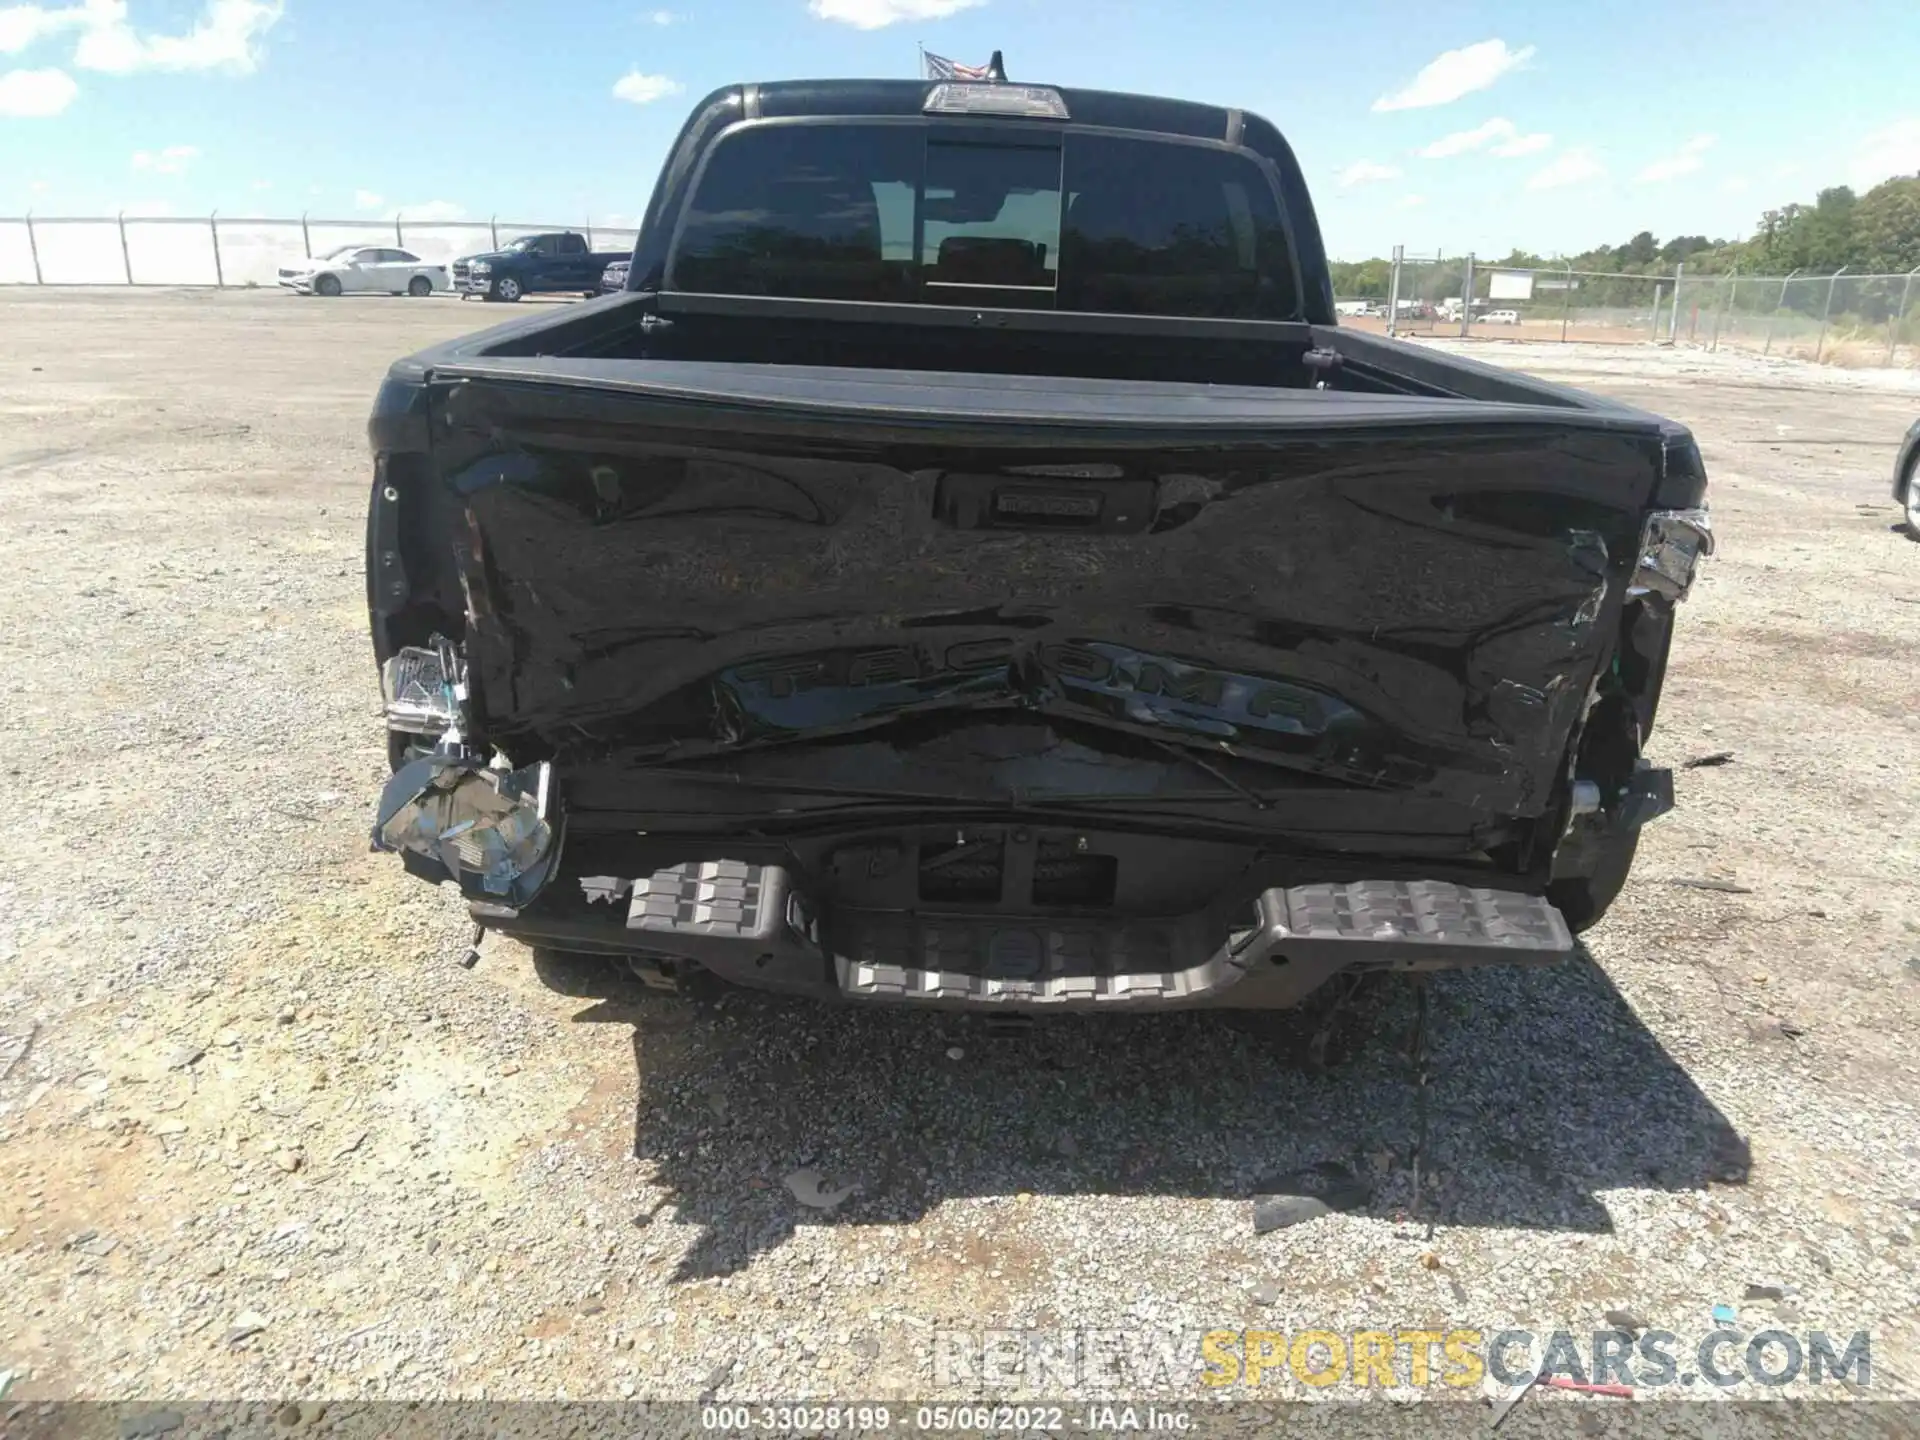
pixel 1002 502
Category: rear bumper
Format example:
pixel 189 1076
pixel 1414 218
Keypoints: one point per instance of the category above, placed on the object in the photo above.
pixel 747 924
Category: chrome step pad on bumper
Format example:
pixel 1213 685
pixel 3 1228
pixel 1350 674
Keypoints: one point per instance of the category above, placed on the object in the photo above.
pixel 746 922
pixel 727 899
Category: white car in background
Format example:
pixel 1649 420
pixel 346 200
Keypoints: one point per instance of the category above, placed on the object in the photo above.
pixel 364 270
pixel 1500 317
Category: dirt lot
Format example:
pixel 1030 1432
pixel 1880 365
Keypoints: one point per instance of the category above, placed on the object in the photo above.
pixel 263 1136
pixel 1795 337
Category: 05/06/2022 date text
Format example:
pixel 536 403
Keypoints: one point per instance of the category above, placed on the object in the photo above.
pixel 859 1419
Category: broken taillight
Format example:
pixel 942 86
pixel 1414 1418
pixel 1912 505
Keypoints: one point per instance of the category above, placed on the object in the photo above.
pixel 1672 544
pixel 420 690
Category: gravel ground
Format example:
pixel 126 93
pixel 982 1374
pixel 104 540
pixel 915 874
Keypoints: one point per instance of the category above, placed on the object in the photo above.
pixel 264 1137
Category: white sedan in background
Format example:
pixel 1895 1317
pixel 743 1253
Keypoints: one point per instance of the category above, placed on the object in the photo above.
pixel 364 270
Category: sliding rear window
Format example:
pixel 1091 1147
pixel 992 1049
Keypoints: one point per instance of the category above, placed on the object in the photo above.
pixel 950 215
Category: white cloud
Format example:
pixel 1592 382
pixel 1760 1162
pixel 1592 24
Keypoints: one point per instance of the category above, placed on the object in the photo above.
pixel 1503 135
pixel 1461 141
pixel 1452 74
pixel 1531 144
pixel 878 14
pixel 263 185
pixel 1412 202
pixel 226 37
pixel 368 199
pixel 663 17
pixel 170 161
pixel 1891 150
pixel 644 89
pixel 22 25
pixel 36 93
pixel 1573 168
pixel 1734 184
pixel 1366 172
pixel 1684 161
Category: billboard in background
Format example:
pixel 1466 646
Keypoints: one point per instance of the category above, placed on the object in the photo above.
pixel 1510 285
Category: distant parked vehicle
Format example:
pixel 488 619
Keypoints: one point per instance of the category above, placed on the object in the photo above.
pixel 550 264
pixel 364 270
pixel 1500 317
pixel 614 277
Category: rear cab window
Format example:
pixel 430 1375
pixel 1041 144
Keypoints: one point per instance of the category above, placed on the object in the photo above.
pixel 994 215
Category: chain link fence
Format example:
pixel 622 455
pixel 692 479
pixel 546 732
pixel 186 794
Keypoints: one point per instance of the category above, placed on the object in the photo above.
pixel 1838 319
pixel 1464 297
pixel 214 250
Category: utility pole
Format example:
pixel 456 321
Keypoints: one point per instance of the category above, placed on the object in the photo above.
pixel 1393 290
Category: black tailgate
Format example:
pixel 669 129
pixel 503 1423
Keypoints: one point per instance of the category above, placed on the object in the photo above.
pixel 1390 591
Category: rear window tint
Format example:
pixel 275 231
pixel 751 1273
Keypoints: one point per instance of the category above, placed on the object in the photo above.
pixel 924 213
pixel 795 211
pixel 991 217
pixel 1159 229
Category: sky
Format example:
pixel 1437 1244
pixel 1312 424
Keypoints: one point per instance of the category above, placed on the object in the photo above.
pixel 1453 127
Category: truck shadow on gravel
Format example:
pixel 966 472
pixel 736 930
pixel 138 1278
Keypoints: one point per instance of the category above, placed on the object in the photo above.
pixel 1546 1089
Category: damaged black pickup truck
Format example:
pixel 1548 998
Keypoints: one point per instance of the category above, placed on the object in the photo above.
pixel 969 565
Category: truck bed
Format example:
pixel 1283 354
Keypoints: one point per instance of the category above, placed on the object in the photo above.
pixel 1265 356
